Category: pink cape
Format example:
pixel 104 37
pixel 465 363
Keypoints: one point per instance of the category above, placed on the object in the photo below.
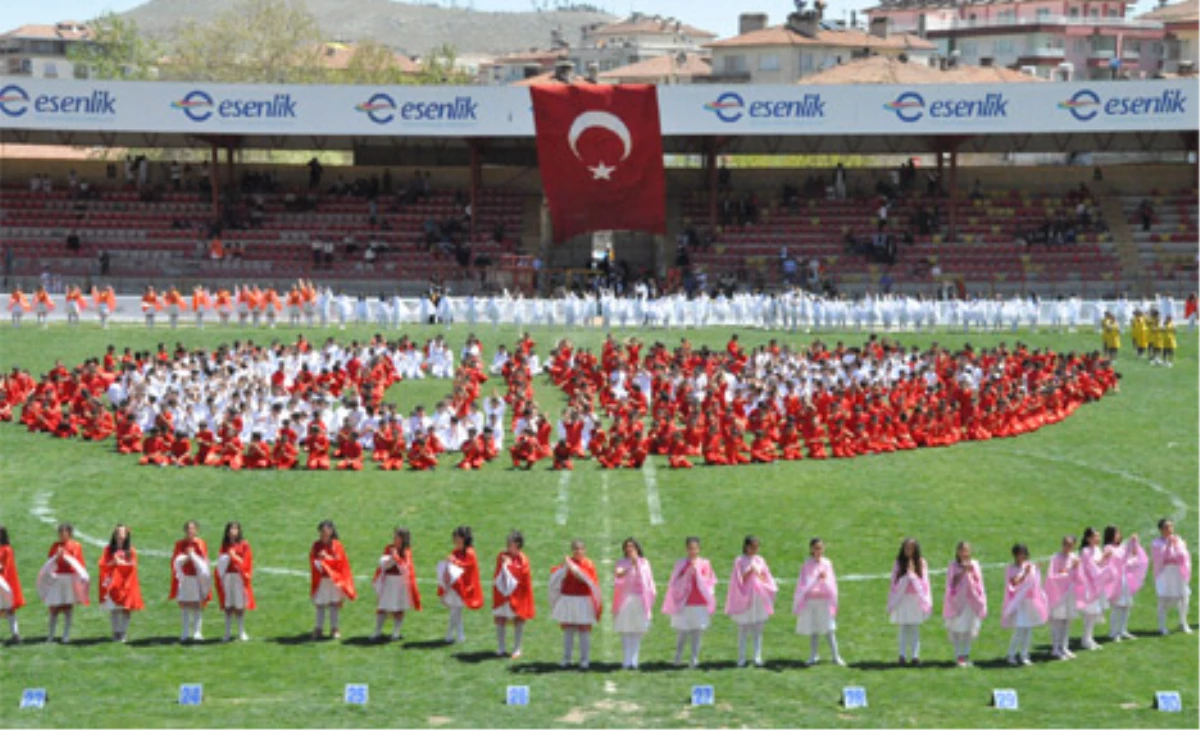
pixel 1130 564
pixel 903 584
pixel 1096 579
pixel 680 586
pixel 1064 582
pixel 971 584
pixel 740 596
pixel 624 584
pixel 1166 553
pixel 1029 590
pixel 809 587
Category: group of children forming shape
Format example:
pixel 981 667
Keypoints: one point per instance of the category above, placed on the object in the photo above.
pixel 1105 574
pixel 245 406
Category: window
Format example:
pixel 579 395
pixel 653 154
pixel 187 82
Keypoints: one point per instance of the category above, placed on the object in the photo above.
pixel 1074 12
pixel 1004 46
pixel 969 50
pixel 1081 45
pixel 1094 13
pixel 806 63
pixel 50 70
pixel 1043 14
pixel 768 62
pixel 81 71
pixel 1112 13
pixel 735 64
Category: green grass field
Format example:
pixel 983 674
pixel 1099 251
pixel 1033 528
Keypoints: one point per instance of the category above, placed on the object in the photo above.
pixel 1129 460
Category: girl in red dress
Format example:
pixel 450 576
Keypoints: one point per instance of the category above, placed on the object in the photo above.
pixel 63 581
pixel 575 602
pixel 332 579
pixel 395 584
pixel 120 590
pixel 191 581
pixel 11 597
pixel 458 582
pixel 235 575
pixel 512 593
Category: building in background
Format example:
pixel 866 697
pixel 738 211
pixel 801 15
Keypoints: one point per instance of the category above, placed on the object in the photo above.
pixel 682 68
pixel 515 67
pixel 1071 39
pixel 1181 22
pixel 336 56
pixel 40 51
pixel 804 45
pixel 635 39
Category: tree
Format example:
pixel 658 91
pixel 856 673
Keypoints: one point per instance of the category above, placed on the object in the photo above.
pixel 372 63
pixel 116 51
pixel 255 41
pixel 439 67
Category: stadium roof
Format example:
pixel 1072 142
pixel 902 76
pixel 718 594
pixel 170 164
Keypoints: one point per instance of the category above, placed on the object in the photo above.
pixel 440 125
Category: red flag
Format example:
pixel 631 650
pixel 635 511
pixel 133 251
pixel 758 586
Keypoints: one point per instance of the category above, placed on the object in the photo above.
pixel 600 155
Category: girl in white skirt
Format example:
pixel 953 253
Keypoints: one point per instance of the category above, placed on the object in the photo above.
pixel 750 600
pixel 1064 588
pixel 11 596
pixel 235 579
pixel 63 581
pixel 634 595
pixel 191 581
pixel 909 601
pixel 1172 574
pixel 815 603
pixel 332 581
pixel 395 585
pixel 690 600
pixel 965 604
pixel 575 602
pixel 1024 604
pixel 1130 563
pixel 1097 572
pixel 458 582
pixel 512 594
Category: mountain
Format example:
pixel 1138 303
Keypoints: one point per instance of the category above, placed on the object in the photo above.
pixel 411 28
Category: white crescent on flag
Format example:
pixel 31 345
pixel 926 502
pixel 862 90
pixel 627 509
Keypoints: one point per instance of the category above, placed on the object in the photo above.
pixel 601 120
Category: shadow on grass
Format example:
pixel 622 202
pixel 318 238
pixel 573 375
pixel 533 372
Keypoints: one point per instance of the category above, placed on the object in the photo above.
pixel 477 657
pixel 872 666
pixel 427 645
pixel 305 637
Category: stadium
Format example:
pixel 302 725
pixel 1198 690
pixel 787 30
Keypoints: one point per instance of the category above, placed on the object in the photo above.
pixel 497 382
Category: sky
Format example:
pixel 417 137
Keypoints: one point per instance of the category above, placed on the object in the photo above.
pixel 714 15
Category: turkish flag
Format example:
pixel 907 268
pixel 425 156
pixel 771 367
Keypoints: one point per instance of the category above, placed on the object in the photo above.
pixel 600 155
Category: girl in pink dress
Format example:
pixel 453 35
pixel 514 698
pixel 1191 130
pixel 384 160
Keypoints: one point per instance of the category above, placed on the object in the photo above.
pixel 1097 571
pixel 690 600
pixel 1024 604
pixel 634 595
pixel 1172 574
pixel 750 600
pixel 1129 572
pixel 909 601
pixel 815 604
pixel 1064 589
pixel 965 605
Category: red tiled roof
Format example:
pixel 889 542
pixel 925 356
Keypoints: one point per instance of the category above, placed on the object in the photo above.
pixel 659 67
pixel 889 70
pixel 67 30
pixel 782 35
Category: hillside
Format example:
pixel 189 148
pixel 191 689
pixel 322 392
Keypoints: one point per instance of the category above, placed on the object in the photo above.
pixel 407 27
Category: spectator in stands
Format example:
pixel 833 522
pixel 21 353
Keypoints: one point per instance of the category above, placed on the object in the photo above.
pixel 881 213
pixel 1097 174
pixel 351 245
pixel 724 177
pixel 143 171
pixel 47 185
pixel 373 212
pixel 85 190
pixel 318 251
pixel 814 273
pixel 329 253
pixel 130 171
pixel 73 183
pixel 370 255
pixel 682 259
pixel 885 281
pixel 35 184
pixel 104 260
pixel 839 182
pixel 977 191
pixel 216 250
pixel 73 243
pixel 789 270
pixel 314 174
pixel 1146 213
pixel 176 176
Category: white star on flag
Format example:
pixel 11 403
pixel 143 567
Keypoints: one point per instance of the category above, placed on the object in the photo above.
pixel 602 171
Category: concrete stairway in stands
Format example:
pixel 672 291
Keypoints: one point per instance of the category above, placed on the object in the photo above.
pixel 1133 274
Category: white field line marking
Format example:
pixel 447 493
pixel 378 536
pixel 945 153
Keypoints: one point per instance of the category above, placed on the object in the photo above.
pixel 650 476
pixel 606 561
pixel 564 495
